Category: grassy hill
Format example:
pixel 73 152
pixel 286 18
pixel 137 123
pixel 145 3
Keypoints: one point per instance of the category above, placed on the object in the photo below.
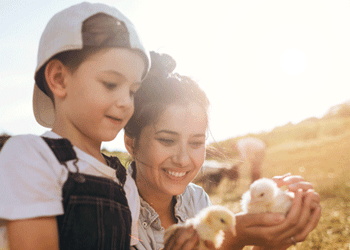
pixel 317 149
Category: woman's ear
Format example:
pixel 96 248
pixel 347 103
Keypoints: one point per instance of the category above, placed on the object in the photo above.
pixel 129 144
pixel 55 73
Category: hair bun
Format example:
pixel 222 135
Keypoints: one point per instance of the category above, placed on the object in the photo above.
pixel 162 64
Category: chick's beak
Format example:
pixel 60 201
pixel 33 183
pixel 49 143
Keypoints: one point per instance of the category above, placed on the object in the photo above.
pixel 233 229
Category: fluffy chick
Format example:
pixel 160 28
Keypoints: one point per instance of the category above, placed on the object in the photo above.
pixel 209 223
pixel 265 196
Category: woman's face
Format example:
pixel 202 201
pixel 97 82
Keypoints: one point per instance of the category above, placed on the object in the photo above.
pixel 170 152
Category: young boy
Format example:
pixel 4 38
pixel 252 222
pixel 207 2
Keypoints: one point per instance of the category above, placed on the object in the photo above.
pixel 57 190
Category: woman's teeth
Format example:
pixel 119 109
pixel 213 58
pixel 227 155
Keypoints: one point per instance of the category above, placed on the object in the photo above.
pixel 176 174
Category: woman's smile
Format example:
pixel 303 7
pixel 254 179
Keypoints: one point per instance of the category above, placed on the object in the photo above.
pixel 176 174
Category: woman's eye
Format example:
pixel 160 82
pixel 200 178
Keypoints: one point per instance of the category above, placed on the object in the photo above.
pixel 166 142
pixel 110 85
pixel 132 93
pixel 197 144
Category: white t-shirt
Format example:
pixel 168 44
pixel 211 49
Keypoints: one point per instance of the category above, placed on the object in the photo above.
pixel 31 181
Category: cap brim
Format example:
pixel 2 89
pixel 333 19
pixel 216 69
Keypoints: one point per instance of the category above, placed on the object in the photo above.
pixel 43 108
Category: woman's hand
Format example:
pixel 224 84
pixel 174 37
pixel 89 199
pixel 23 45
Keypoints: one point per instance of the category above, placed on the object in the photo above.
pixel 185 238
pixel 273 231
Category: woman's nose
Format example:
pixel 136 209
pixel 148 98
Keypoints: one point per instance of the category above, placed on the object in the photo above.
pixel 181 157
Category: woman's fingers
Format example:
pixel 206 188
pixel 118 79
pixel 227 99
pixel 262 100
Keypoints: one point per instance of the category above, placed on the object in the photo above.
pixel 291 220
pixel 255 220
pixel 316 197
pixel 279 179
pixel 209 245
pixel 184 238
pixel 297 225
pixel 294 186
pixel 312 224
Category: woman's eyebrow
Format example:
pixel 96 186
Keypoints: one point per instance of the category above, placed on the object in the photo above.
pixel 199 135
pixel 175 133
pixel 166 131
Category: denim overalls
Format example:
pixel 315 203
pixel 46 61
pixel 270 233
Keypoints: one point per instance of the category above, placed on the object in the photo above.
pixel 96 212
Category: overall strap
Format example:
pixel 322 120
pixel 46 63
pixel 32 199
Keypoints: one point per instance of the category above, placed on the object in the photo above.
pixel 64 151
pixel 62 148
pixel 115 163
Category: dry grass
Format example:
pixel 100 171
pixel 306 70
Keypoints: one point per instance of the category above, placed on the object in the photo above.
pixel 324 161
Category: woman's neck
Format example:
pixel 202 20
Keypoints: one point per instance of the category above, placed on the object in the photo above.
pixel 162 204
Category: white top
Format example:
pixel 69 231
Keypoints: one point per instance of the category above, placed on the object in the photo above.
pixel 188 204
pixel 32 178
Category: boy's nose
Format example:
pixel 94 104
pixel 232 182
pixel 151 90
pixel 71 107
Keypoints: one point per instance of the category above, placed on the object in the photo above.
pixel 124 98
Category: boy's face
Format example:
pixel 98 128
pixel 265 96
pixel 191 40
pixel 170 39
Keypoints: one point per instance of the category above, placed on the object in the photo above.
pixel 99 100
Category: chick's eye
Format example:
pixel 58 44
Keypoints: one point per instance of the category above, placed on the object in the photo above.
pixel 262 195
pixel 222 221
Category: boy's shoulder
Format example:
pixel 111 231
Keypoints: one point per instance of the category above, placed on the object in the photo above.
pixel 22 144
pixel 17 140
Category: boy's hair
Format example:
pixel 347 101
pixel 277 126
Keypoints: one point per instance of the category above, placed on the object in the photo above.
pixel 73 35
pixel 160 89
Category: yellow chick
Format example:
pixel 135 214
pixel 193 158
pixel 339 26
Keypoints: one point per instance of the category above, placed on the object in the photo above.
pixel 209 223
pixel 265 196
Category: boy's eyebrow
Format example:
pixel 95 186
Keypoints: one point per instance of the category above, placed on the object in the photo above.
pixel 116 73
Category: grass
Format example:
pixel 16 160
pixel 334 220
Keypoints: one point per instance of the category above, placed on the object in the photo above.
pixel 322 159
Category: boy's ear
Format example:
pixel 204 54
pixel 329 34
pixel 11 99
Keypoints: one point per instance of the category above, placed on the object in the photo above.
pixel 55 73
pixel 129 144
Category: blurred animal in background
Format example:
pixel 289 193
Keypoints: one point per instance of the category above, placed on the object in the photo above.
pixel 3 139
pixel 210 224
pixel 213 172
pixel 265 196
pixel 252 150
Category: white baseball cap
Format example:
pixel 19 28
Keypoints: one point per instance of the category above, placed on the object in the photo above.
pixel 63 33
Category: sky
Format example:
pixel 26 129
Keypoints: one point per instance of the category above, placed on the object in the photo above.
pixel 262 64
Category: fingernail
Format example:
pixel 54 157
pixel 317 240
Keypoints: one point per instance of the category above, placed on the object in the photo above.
pixel 279 217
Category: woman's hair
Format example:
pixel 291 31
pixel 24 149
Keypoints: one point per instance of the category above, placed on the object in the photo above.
pixel 99 31
pixel 160 89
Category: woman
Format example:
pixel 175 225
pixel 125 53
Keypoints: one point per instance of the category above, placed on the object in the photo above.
pixel 166 138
